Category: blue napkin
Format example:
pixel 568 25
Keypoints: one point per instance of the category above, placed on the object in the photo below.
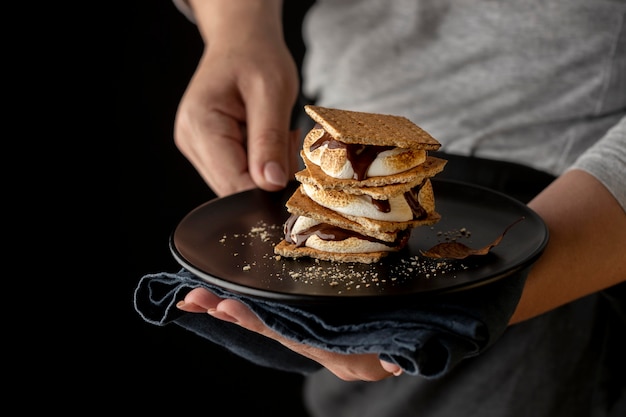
pixel 426 337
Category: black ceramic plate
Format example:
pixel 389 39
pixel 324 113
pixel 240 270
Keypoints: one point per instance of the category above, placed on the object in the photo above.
pixel 229 243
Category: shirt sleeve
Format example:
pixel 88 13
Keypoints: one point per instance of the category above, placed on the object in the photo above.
pixel 606 160
pixel 185 9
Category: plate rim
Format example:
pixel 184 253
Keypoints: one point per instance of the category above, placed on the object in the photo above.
pixel 301 298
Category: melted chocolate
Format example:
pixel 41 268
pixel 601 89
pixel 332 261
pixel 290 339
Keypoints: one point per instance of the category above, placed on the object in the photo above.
pixel 412 199
pixel 360 156
pixel 381 205
pixel 333 233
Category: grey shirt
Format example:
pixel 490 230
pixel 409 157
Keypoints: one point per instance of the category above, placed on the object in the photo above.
pixel 534 82
pixel 542 83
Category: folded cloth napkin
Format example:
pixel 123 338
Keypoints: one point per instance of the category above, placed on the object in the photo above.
pixel 427 337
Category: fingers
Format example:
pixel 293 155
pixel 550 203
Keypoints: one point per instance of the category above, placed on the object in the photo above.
pixel 233 124
pixel 208 129
pixel 353 367
pixel 199 300
pixel 392 368
pixel 215 145
pixel 271 146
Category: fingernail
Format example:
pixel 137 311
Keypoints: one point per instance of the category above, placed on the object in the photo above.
pixel 221 315
pixel 275 174
pixel 188 307
pixel 392 368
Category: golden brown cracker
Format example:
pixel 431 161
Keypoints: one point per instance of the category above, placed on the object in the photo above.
pixel 431 167
pixel 290 250
pixel 372 128
pixel 384 192
pixel 299 203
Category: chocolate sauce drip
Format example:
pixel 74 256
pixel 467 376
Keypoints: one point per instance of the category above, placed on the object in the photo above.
pixel 412 199
pixel 360 156
pixel 288 227
pixel 381 205
pixel 333 233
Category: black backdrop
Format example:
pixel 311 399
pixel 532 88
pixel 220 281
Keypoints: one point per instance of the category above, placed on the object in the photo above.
pixel 155 367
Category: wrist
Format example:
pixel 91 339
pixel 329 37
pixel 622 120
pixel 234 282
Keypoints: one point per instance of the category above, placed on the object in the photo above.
pixel 216 18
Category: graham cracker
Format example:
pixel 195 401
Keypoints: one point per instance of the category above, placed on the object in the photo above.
pixel 299 203
pixel 372 128
pixel 431 167
pixel 333 159
pixel 290 250
pixel 384 192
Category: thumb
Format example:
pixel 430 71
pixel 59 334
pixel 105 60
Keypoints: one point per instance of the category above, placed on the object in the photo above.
pixel 271 148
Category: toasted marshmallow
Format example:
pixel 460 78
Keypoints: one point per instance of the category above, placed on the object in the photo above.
pixel 334 161
pixel 364 187
pixel 360 205
pixel 350 245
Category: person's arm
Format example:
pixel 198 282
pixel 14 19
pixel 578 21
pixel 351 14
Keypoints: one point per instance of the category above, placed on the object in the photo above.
pixel 585 253
pixel 233 121
pixel 585 210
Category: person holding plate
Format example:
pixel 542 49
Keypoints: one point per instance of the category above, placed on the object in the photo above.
pixel 541 84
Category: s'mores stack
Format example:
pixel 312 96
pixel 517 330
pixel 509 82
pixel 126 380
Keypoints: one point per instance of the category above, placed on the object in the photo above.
pixel 365 186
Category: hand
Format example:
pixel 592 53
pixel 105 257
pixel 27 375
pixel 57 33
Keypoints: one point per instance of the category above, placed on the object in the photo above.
pixel 232 122
pixel 365 367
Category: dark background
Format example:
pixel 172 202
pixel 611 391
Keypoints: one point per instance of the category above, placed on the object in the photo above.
pixel 154 366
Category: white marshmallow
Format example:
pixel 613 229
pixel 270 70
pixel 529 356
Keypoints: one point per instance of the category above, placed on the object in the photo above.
pixel 330 161
pixel 360 205
pixel 335 163
pixel 349 245
pixel 383 165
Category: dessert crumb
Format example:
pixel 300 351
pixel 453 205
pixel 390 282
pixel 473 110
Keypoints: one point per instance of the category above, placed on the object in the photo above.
pixel 342 277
